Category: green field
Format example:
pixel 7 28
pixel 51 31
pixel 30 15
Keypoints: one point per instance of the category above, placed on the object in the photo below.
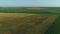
pixel 19 21
pixel 55 28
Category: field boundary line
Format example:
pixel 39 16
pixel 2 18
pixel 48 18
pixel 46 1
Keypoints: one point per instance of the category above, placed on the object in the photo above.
pixel 46 24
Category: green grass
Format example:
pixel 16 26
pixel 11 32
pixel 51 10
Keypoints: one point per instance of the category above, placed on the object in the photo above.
pixel 14 10
pixel 55 28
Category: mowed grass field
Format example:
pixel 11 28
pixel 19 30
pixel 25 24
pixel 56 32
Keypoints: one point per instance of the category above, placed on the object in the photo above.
pixel 23 23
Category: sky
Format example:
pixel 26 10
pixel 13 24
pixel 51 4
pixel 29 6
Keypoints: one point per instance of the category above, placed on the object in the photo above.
pixel 29 3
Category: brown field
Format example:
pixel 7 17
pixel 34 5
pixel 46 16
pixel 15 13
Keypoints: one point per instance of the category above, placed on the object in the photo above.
pixel 20 23
pixel 37 8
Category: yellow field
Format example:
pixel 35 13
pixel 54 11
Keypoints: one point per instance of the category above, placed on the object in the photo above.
pixel 21 23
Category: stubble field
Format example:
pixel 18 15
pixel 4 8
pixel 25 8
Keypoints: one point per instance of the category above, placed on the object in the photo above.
pixel 22 23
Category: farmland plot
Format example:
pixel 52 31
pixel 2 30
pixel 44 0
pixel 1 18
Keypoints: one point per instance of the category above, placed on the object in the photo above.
pixel 19 23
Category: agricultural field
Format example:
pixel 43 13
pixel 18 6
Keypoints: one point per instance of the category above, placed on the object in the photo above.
pixel 23 23
pixel 29 21
pixel 46 10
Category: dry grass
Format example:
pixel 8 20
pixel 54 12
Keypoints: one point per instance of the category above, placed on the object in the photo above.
pixel 16 23
pixel 14 15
